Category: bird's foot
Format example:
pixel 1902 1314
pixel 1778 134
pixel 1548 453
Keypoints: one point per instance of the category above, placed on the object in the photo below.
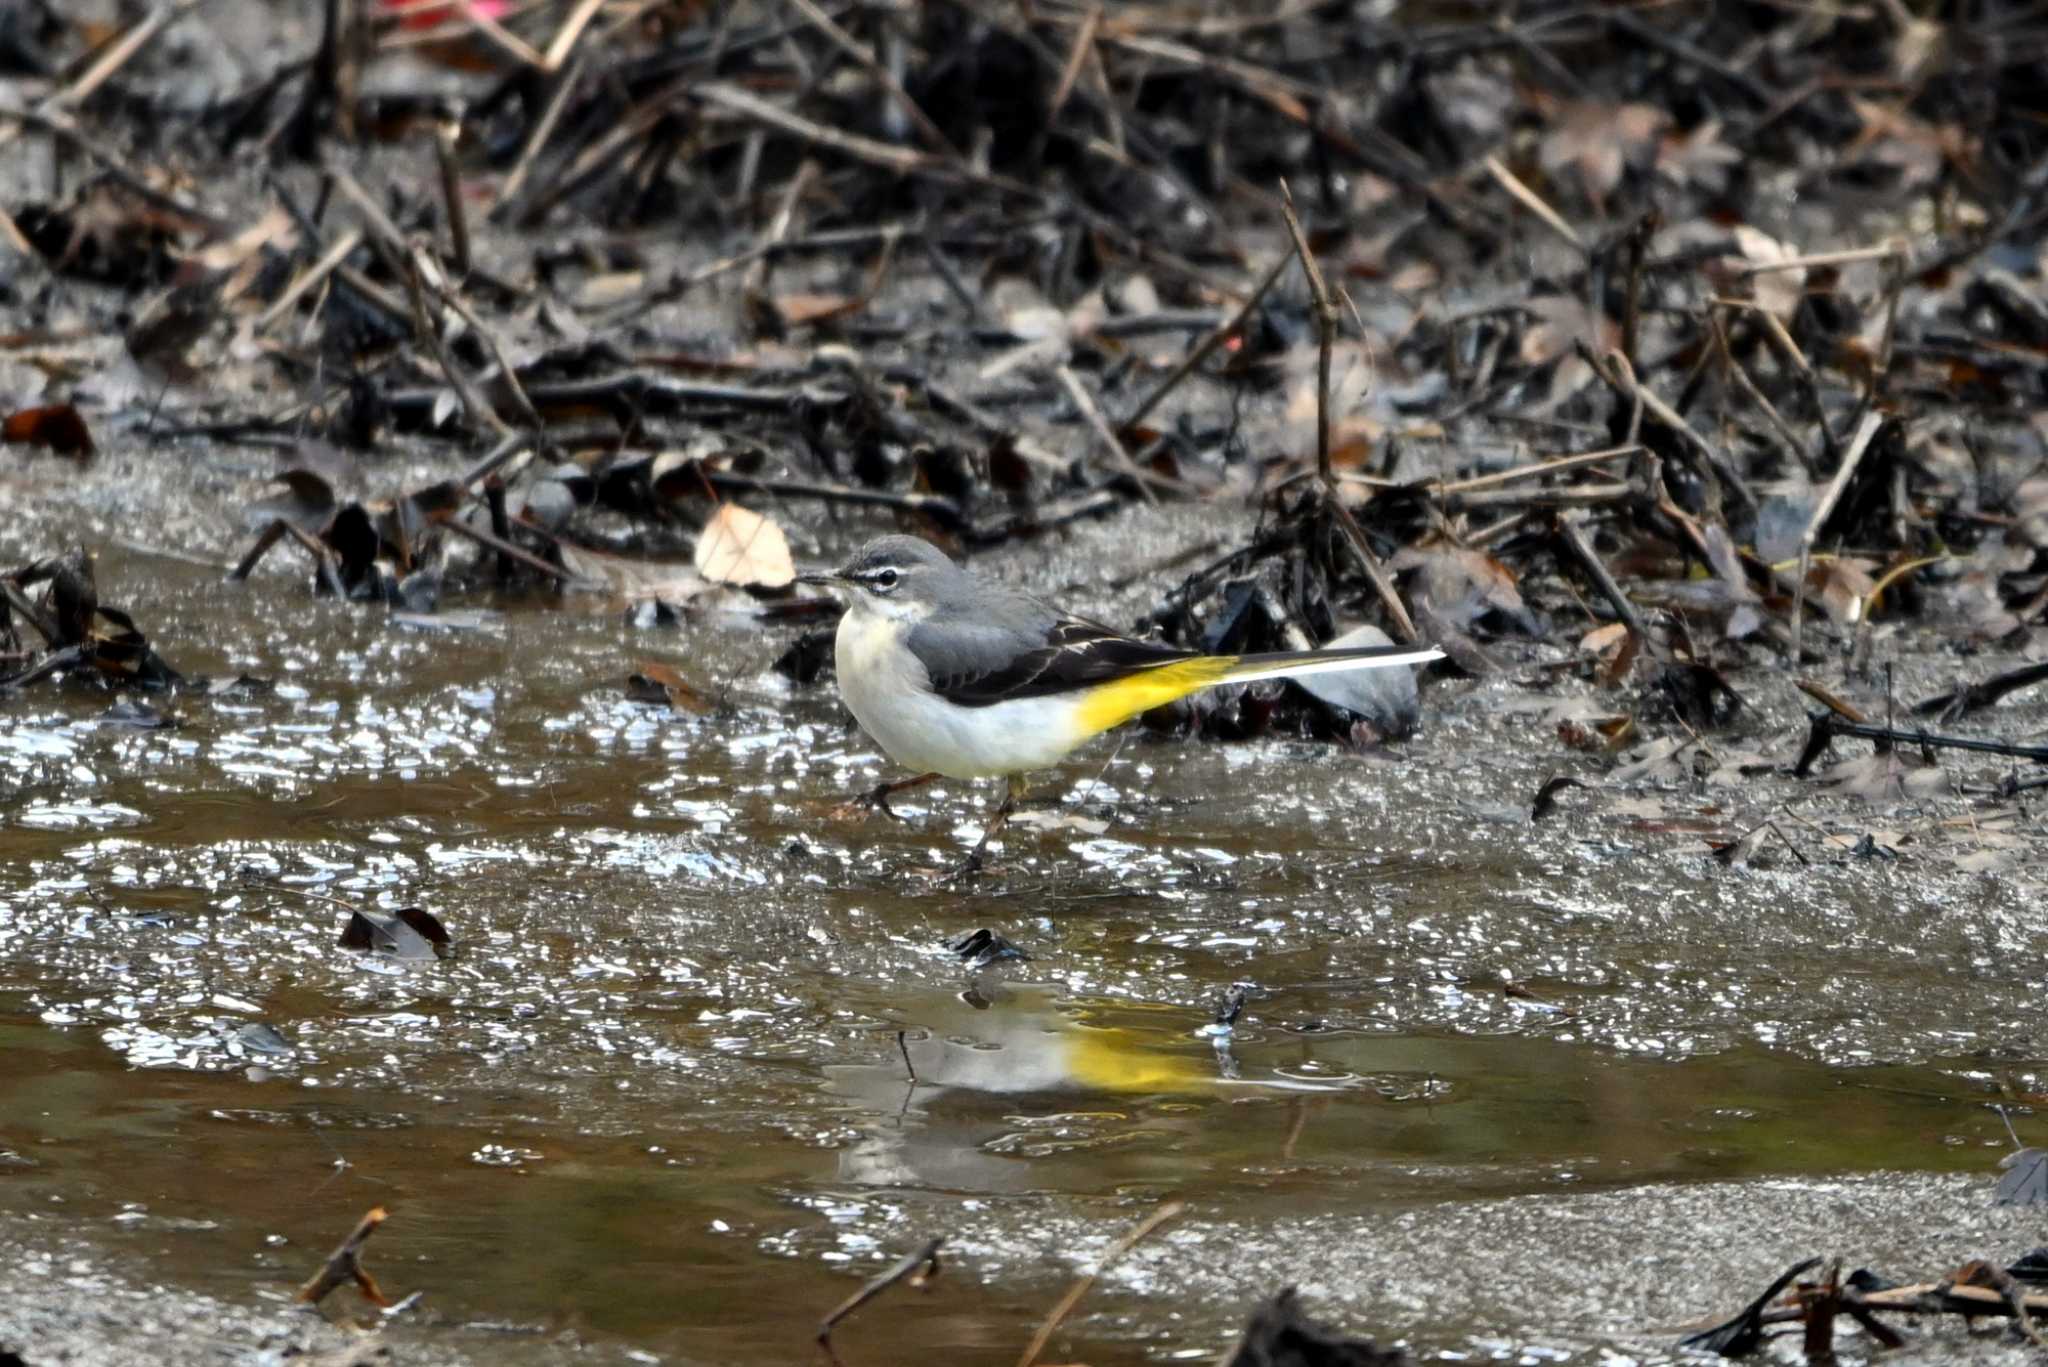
pixel 966 871
pixel 865 805
pixel 876 799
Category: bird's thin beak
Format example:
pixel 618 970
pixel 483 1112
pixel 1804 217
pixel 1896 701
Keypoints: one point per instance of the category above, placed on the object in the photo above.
pixel 825 578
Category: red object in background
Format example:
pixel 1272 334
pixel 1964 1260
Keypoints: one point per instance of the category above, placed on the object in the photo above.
pixel 431 13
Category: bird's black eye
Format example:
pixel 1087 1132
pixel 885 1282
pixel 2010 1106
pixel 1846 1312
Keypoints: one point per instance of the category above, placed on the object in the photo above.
pixel 885 580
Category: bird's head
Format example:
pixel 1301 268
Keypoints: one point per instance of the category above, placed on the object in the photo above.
pixel 902 578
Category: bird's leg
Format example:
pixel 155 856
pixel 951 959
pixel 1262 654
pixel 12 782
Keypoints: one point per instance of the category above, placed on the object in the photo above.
pixel 876 799
pixel 1013 789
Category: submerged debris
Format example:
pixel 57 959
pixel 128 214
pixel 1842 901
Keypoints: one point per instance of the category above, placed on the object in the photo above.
pixel 1977 1288
pixel 916 1269
pixel 980 949
pixel 345 1265
pixel 81 637
pixel 1281 1334
pixel 408 933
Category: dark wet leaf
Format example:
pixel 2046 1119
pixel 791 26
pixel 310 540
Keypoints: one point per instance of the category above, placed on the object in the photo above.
pixel 138 715
pixel 980 948
pixel 2031 1268
pixel 262 1039
pixel 1008 471
pixel 307 502
pixel 807 659
pixel 2025 1184
pixel 1546 796
pixel 1961 700
pixel 1281 1334
pixel 108 235
pixel 1700 694
pixel 409 933
pixel 162 339
pixel 72 598
pixel 661 684
pixel 55 427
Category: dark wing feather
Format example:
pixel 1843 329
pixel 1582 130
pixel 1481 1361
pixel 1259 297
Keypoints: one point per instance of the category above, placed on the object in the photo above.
pixel 978 670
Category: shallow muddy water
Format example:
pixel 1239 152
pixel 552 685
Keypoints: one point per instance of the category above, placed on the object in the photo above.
pixel 656 1101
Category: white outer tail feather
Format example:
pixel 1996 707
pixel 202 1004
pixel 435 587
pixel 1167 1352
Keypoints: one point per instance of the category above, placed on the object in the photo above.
pixel 1309 663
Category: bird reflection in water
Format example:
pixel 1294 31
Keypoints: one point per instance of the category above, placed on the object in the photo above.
pixel 999 1080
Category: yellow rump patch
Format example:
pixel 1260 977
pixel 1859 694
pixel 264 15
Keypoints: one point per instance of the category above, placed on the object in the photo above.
pixel 1115 703
pixel 1111 1060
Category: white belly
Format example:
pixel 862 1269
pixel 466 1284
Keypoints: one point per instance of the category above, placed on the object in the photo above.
pixel 890 695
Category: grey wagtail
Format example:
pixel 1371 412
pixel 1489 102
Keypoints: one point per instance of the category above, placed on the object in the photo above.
pixel 957 675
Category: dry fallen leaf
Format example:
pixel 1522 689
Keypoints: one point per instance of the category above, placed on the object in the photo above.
pixel 1599 141
pixel 799 309
pixel 1561 321
pixel 657 682
pixel 1598 734
pixel 1698 157
pixel 1356 412
pixel 1777 291
pixel 1888 776
pixel 1843 585
pixel 738 546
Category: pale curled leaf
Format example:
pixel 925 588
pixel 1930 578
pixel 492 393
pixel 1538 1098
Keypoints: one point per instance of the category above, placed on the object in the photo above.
pixel 738 546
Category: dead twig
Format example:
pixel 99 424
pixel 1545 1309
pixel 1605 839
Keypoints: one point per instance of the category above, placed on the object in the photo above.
pixel 1826 727
pixel 1858 444
pixel 916 1268
pixel 1788 440
pixel 445 135
pixel 1533 202
pixel 1086 1281
pixel 330 260
pixel 1107 437
pixel 1553 465
pixel 1624 382
pixel 1571 535
pixel 868 62
pixel 1208 344
pixel 565 39
pixel 536 138
pixel 1326 330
